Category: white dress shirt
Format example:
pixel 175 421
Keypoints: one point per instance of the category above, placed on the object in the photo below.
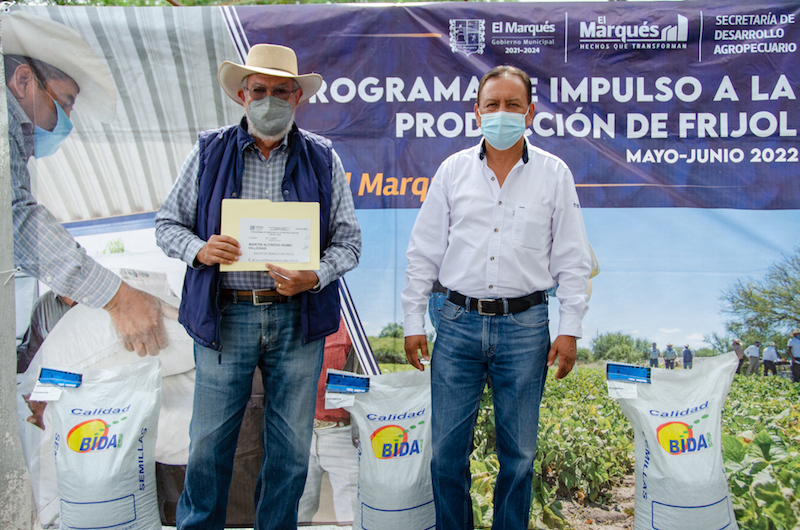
pixel 794 342
pixel 752 351
pixel 770 354
pixel 485 241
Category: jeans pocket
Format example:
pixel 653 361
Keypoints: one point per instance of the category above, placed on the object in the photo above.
pixel 224 304
pixel 535 317
pixel 451 311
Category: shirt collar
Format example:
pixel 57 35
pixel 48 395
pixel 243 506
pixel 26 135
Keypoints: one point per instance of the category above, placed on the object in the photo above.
pixel 284 142
pixel 482 153
pixel 16 111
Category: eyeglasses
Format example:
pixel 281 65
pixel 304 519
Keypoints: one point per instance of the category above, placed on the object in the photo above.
pixel 260 92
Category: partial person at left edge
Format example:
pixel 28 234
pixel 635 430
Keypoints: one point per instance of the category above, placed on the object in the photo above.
pixel 50 69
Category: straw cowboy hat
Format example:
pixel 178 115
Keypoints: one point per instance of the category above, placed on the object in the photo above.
pixel 268 59
pixel 43 39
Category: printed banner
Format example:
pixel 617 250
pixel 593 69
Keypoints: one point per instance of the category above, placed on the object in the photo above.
pixel 652 105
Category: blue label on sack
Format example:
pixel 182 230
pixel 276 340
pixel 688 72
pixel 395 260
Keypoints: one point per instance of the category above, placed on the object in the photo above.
pixel 627 372
pixel 60 378
pixel 346 382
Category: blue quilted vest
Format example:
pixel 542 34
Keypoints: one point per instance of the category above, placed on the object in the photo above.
pixel 307 179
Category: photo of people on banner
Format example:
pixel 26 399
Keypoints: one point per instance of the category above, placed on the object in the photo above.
pixel 150 148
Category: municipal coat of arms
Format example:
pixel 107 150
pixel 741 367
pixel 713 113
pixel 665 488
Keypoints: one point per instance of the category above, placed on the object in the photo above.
pixel 467 35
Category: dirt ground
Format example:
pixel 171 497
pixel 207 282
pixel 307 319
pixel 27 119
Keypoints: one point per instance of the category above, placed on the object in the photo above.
pixel 617 515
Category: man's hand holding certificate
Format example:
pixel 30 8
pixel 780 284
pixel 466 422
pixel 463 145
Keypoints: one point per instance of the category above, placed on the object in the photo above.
pixel 289 283
pixel 219 250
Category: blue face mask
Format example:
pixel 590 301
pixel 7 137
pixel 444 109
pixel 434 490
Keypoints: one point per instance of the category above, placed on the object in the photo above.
pixel 47 142
pixel 503 129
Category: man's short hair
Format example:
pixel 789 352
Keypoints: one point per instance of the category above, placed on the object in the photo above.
pixel 43 71
pixel 506 70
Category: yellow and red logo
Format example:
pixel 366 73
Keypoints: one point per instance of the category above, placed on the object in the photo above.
pixel 677 437
pixel 91 435
pixel 391 441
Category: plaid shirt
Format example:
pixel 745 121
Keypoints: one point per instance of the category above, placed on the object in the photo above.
pixel 42 247
pixel 262 179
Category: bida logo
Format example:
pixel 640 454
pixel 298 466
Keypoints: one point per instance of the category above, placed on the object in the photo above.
pixel 391 441
pixel 679 437
pixel 93 435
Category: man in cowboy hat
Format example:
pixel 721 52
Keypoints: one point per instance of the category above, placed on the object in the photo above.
pixel 737 347
pixel 275 319
pixel 49 70
pixel 669 357
pixel 769 358
pixel 793 349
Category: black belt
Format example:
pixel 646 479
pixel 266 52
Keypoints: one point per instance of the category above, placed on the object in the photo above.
pixel 497 306
pixel 262 297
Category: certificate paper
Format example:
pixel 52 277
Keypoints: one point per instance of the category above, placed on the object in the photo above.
pixel 271 240
pixel 285 234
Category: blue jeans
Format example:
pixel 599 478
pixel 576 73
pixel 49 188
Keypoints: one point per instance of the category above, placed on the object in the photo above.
pixel 269 337
pixel 512 350
pixel 435 302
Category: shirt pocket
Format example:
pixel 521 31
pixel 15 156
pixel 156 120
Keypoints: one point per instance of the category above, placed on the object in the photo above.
pixel 531 229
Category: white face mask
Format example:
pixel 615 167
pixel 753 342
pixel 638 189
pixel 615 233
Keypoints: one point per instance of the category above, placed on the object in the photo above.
pixel 503 129
pixel 270 115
